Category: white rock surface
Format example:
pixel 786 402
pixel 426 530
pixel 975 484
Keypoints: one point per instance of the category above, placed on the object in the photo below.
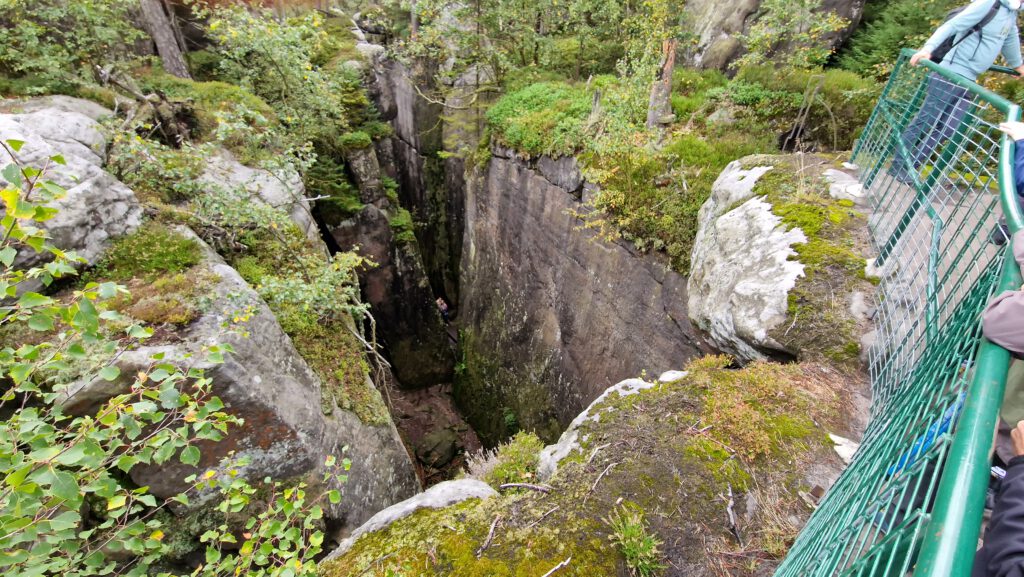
pixel 97 206
pixel 551 455
pixel 844 447
pixel 844 186
pixel 437 497
pixel 741 268
pixel 223 170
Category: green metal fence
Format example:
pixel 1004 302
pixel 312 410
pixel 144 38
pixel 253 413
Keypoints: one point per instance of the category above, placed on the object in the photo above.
pixel 939 175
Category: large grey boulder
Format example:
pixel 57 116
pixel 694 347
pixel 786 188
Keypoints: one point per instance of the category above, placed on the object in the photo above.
pixel 285 193
pixel 97 206
pixel 717 25
pixel 286 433
pixel 741 267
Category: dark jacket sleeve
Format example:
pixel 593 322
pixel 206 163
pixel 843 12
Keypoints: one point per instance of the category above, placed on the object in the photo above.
pixel 1004 540
pixel 1018 168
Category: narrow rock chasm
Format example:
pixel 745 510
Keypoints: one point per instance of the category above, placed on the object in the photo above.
pixel 543 317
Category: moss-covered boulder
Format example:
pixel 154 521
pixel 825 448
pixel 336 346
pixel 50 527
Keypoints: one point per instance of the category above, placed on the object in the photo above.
pixel 716 467
pixel 778 262
pixel 292 419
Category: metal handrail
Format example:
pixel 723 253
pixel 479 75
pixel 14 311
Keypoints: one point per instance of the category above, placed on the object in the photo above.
pixel 865 530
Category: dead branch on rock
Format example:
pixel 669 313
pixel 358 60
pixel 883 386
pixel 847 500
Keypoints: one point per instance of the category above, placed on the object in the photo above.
pixel 599 477
pixel 561 565
pixel 542 517
pixel 490 537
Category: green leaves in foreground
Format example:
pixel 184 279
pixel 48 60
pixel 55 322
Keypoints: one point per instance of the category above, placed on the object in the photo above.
pixel 66 504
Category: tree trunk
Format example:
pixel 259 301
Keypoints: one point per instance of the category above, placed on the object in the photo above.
pixel 414 20
pixel 161 29
pixel 659 110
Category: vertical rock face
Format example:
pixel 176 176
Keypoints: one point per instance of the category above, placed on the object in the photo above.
pixel 286 433
pixel 717 24
pixel 397 288
pixel 556 316
pixel 429 186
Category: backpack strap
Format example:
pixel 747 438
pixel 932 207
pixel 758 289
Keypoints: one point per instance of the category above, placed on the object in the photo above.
pixel 981 23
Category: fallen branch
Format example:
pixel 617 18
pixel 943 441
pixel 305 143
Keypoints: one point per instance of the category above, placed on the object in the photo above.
pixel 490 537
pixel 539 488
pixel 561 565
pixel 542 517
pixel 596 449
pixel 730 503
pixel 601 476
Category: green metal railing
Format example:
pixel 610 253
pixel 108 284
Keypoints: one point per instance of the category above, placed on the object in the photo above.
pixel 939 175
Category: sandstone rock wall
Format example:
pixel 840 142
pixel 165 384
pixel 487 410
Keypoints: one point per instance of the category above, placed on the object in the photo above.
pixel 717 25
pixel 97 206
pixel 286 434
pixel 554 316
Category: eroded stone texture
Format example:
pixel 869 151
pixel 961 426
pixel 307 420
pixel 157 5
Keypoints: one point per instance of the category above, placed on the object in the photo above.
pixel 717 26
pixel 223 170
pixel 554 311
pixel 97 206
pixel 267 383
pixel 741 266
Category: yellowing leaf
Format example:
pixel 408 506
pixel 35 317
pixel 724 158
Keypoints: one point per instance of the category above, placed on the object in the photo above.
pixel 157 535
pixel 116 502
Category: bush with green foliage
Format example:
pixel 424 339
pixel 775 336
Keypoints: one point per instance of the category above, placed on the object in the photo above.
pixel 61 42
pixel 156 171
pixel 793 32
pixel 889 26
pixel 66 503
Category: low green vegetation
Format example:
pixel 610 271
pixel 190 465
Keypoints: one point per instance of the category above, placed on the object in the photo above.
pixel 637 545
pixel 650 192
pixel 154 250
pixel 834 258
pixel 512 462
pixel 633 495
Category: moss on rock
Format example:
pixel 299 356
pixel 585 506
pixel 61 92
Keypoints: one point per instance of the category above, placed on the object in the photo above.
pixel 819 324
pixel 675 451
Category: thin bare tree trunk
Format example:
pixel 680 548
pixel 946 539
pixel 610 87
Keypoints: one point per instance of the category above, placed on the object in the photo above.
pixel 161 29
pixel 178 36
pixel 414 20
pixel 659 108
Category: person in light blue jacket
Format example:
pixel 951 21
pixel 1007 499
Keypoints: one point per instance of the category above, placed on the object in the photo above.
pixel 946 104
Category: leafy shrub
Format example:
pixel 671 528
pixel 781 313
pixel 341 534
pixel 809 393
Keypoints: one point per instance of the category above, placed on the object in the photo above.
pixel 204 65
pixel 69 506
pixel 152 250
pixel 208 98
pixel 156 171
pixel 60 41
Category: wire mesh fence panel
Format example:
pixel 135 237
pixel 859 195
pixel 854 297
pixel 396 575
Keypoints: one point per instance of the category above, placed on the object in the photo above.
pixel 931 162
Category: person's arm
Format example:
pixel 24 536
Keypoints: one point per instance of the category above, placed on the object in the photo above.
pixel 957 25
pixel 1011 51
pixel 1004 540
pixel 1003 319
pixel 1018 168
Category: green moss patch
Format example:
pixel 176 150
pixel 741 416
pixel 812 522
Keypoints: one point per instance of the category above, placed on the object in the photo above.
pixel 819 322
pixel 154 249
pixel 672 453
